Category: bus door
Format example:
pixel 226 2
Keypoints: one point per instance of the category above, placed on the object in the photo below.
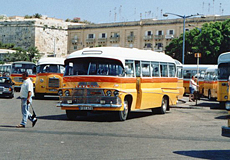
pixel 138 84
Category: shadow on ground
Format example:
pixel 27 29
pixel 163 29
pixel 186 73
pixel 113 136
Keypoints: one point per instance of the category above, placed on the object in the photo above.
pixel 99 117
pixel 206 154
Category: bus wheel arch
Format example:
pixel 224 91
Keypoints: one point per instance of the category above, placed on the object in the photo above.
pixel 123 115
pixel 164 106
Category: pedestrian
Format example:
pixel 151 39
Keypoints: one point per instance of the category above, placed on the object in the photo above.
pixel 26 94
pixel 192 88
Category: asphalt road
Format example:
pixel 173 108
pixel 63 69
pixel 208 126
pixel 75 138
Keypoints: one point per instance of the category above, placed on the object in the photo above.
pixel 186 132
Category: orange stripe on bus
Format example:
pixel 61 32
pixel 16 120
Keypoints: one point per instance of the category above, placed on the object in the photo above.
pixel 47 74
pixel 20 75
pixel 118 79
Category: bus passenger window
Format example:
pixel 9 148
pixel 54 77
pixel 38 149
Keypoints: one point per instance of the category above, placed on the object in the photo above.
pixel 172 70
pixel 155 69
pixel 129 69
pixel 138 68
pixel 164 69
pixel 146 69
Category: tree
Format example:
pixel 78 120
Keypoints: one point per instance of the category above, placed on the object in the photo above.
pixel 33 54
pixel 211 40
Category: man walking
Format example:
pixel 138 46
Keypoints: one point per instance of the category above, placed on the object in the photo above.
pixel 26 94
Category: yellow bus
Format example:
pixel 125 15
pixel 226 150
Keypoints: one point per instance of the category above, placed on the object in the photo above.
pixel 190 70
pixel 119 80
pixel 210 82
pixel 5 69
pixel 179 74
pixel 223 75
pixel 16 73
pixel 49 76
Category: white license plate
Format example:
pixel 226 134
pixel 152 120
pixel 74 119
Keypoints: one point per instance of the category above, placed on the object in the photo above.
pixel 0 92
pixel 85 108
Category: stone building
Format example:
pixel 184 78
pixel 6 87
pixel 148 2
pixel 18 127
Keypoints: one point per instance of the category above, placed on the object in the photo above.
pixel 49 35
pixel 144 34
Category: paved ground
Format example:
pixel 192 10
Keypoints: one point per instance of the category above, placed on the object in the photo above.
pixel 186 132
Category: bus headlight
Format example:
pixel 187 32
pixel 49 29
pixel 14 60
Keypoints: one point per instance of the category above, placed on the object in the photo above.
pixel 41 80
pixel 60 93
pixel 67 93
pixel 116 93
pixel 227 106
pixel 109 93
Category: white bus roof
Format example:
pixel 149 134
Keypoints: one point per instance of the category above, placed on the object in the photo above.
pixel 178 63
pixel 212 68
pixel 194 66
pixel 121 54
pixel 51 60
pixel 23 62
pixel 224 58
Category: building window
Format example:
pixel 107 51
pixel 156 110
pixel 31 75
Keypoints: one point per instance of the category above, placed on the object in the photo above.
pixel 75 47
pixel 132 33
pixel 149 33
pixel 160 32
pixel 103 35
pixel 90 35
pixel 148 45
pixel 171 32
pixel 159 45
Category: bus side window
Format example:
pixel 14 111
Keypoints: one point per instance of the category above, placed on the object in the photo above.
pixel 146 69
pixel 129 69
pixel 138 68
pixel 155 69
pixel 172 70
pixel 164 69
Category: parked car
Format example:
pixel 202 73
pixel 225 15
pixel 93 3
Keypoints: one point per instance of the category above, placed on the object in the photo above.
pixel 6 87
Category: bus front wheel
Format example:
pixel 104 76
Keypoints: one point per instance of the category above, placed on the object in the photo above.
pixel 122 115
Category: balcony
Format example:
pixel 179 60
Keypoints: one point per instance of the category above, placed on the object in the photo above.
pixel 158 37
pixel 148 37
pixel 130 38
pixel 102 40
pixel 158 49
pixel 170 36
pixel 74 41
pixel 114 39
pixel 90 40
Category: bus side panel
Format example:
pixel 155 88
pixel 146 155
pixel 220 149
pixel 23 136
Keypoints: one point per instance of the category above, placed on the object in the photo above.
pixel 180 85
pixel 222 91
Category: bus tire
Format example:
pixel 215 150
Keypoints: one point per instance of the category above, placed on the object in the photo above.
pixel 71 114
pixel 164 106
pixel 122 115
pixel 209 95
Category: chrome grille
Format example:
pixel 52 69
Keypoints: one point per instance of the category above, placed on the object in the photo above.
pixel 54 82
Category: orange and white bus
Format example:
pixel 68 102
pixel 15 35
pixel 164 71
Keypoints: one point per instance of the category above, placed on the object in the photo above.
pixel 119 80
pixel 190 70
pixel 223 75
pixel 16 73
pixel 179 74
pixel 210 82
pixel 49 76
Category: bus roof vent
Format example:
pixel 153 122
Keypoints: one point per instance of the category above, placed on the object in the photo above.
pixel 92 52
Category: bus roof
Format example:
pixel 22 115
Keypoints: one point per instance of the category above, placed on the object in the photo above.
pixel 23 62
pixel 51 60
pixel 194 66
pixel 224 58
pixel 121 54
pixel 212 68
pixel 178 63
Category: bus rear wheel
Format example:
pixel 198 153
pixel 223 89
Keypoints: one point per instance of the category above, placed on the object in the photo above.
pixel 164 107
pixel 122 115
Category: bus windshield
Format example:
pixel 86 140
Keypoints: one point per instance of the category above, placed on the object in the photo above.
pixel 223 71
pixel 19 68
pixel 50 68
pixel 93 66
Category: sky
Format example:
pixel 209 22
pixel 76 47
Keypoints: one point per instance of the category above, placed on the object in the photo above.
pixel 110 11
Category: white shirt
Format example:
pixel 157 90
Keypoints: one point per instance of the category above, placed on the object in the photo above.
pixel 192 84
pixel 26 86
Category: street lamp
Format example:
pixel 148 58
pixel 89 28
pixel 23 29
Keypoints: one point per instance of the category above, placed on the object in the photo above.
pixel 184 17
